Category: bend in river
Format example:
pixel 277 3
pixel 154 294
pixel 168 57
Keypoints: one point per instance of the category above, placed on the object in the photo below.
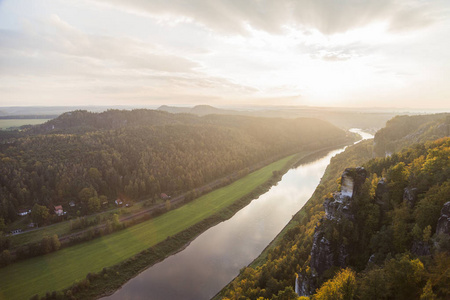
pixel 215 257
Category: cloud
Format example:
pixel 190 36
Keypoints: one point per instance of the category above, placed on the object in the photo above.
pixel 327 16
pixel 63 48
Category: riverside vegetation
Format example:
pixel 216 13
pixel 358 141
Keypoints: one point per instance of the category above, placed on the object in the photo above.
pixel 52 270
pixel 386 244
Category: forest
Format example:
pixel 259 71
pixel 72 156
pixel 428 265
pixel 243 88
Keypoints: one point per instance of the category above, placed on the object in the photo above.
pixel 90 159
pixel 386 244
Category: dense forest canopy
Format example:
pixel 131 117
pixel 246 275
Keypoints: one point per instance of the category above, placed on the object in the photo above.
pixel 386 244
pixel 83 157
pixel 402 131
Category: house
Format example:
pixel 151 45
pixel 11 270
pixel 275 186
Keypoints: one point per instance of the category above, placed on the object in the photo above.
pixel 16 231
pixel 72 203
pixel 59 210
pixel 164 196
pixel 118 202
pixel 23 212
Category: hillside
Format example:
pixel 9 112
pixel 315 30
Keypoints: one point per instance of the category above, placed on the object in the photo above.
pixel 83 157
pixel 402 131
pixel 384 236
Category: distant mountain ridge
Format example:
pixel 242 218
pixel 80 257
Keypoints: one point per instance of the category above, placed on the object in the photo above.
pixel 200 110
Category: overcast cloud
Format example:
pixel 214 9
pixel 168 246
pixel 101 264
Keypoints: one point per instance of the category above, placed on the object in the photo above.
pixel 229 52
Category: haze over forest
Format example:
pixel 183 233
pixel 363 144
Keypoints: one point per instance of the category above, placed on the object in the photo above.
pixel 228 149
pixel 389 54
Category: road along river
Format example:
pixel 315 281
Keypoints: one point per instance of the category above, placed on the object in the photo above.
pixel 215 257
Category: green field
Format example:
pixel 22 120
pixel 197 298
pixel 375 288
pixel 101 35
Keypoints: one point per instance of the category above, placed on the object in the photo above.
pixel 60 269
pixel 7 123
pixel 60 229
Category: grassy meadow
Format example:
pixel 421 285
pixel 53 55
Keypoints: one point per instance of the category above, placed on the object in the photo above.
pixel 7 123
pixel 59 270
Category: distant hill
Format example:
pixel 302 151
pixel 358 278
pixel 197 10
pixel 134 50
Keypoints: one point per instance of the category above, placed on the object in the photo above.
pixel 200 110
pixel 370 120
pixel 403 131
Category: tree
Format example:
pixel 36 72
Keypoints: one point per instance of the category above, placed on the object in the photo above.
pixel 116 222
pixel 46 245
pixel 340 287
pixel 428 292
pixel 56 244
pixel 286 294
pixel 39 214
pixel 94 174
pixel 404 277
pixel 373 285
pixel 427 234
pixel 94 204
pixel 87 193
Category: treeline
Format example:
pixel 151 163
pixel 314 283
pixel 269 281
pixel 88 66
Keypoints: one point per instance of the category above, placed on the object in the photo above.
pixel 402 131
pixel 89 158
pixel 394 251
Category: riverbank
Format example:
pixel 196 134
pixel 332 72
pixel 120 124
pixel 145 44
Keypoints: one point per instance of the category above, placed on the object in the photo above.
pixel 60 269
pixel 304 221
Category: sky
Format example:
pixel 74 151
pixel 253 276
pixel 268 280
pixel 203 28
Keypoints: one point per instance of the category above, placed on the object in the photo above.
pixel 346 53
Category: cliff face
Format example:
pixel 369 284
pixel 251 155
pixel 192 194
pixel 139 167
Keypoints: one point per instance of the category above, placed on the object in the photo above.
pixel 443 225
pixel 324 253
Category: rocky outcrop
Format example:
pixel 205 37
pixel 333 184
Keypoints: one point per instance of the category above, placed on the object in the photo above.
pixel 420 248
pixel 410 197
pixel 382 194
pixel 443 225
pixel 324 255
pixel 352 180
pixel 321 253
pixel 337 207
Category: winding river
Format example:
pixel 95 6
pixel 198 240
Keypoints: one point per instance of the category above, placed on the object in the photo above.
pixel 215 257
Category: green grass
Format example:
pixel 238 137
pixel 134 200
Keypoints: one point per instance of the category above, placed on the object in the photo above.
pixel 60 269
pixel 36 236
pixel 62 228
pixel 7 123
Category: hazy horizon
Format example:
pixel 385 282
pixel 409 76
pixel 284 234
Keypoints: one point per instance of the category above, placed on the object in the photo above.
pixel 378 54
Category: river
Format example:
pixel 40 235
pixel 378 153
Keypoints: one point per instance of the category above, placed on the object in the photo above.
pixel 215 257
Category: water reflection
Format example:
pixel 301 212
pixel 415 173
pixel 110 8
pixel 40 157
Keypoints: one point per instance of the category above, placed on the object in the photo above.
pixel 216 256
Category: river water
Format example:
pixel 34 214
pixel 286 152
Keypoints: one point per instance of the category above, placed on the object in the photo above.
pixel 215 257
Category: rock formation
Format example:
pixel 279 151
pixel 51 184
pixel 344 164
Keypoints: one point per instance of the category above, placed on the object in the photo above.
pixel 410 197
pixel 443 225
pixel 324 255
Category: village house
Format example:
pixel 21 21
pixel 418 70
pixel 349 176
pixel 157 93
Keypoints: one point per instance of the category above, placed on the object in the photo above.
pixel 23 212
pixel 118 202
pixel 165 196
pixel 59 210
pixel 16 231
